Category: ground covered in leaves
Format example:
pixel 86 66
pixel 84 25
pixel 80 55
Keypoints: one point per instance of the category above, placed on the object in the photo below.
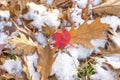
pixel 59 40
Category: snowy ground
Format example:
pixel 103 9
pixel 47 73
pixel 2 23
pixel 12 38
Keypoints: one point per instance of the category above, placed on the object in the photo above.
pixel 67 62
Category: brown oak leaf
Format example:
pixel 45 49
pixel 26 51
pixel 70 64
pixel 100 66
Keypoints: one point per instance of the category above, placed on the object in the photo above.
pixel 45 55
pixel 23 43
pixel 85 32
pixel 46 60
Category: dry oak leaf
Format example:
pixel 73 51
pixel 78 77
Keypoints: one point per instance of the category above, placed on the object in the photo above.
pixel 48 31
pixel 85 32
pixel 111 7
pixel 63 3
pixel 46 60
pixel 1 47
pixel 23 43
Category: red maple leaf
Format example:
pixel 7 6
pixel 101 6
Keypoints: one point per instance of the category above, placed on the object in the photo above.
pixel 61 38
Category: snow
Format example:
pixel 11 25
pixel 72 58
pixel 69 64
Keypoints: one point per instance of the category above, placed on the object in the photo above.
pixel 81 3
pixel 31 61
pixel 66 64
pixel 49 2
pixel 3 37
pixel 75 14
pixel 96 2
pixel 98 42
pixel 41 16
pixel 4 17
pixel 79 52
pixel 13 67
pixel 116 39
pixel 51 18
pixel 113 21
pixel 113 59
pixel 102 73
pixel 65 67
pixel 40 38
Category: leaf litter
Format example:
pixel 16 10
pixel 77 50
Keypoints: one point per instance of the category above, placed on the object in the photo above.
pixel 64 26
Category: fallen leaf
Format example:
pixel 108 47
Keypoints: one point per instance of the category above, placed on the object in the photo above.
pixel 84 14
pixel 46 60
pixel 1 47
pixel 17 7
pixel 63 3
pixel 61 38
pixel 27 45
pixel 117 74
pixel 86 32
pixel 26 22
pixel 110 7
pixel 25 30
pixel 52 77
pixel 48 31
pixel 9 29
pixel 14 13
pixel 23 43
pixel 103 1
pixel 10 77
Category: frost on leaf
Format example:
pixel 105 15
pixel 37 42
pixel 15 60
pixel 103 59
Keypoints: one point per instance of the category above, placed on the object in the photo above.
pixel 86 32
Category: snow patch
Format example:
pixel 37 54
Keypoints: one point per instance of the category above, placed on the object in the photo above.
pixel 65 67
pixel 98 42
pixel 3 38
pixel 13 67
pixel 4 17
pixel 96 2
pixel 80 52
pixel 49 2
pixel 114 21
pixel 41 15
pixel 102 73
pixel 40 38
pixel 32 63
pixel 113 59
pixel 81 3
pixel 75 14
